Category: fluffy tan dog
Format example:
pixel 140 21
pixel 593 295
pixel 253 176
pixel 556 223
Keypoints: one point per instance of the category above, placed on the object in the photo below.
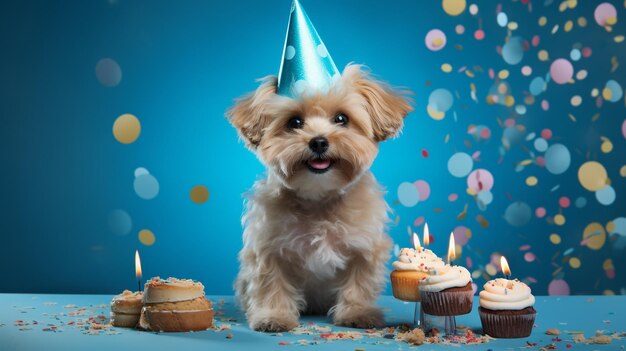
pixel 314 238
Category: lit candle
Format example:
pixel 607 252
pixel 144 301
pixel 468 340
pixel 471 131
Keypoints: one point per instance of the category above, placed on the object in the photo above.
pixel 416 243
pixel 451 250
pixel 138 270
pixel 426 235
pixel 505 267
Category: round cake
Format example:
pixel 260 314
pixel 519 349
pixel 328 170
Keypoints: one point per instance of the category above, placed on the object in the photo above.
pixel 447 291
pixel 126 309
pixel 175 305
pixel 409 269
pixel 506 309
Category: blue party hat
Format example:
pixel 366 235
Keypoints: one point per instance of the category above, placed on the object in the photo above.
pixel 306 65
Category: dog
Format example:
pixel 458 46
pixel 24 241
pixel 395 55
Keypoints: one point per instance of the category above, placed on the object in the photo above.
pixel 314 237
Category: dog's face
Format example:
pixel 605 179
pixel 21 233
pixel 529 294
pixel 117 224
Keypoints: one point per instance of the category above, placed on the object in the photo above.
pixel 320 143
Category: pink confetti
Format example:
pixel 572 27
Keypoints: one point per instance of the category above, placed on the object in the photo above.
pixel 453 197
pixel 564 202
pixel 540 212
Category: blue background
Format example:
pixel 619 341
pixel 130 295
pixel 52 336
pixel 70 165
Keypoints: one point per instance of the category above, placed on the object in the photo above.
pixel 182 65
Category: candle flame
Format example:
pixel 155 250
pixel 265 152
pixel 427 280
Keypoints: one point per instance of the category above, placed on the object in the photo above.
pixel 416 242
pixel 137 265
pixel 505 266
pixel 426 235
pixel 451 249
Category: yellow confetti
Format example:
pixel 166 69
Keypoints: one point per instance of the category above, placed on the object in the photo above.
pixel 594 236
pixel 453 7
pixel 607 94
pixel 543 20
pixel 622 171
pixel 559 219
pixel 503 74
pixel 592 176
pixel 606 146
pixel 531 181
pixel 576 100
pixel 595 92
pixel 611 21
pixel 619 39
pixel 446 68
pixel 146 237
pixel 574 262
pixel 568 26
pixel 512 25
pixel 434 114
pixel 543 55
pixel 582 21
pixel 526 162
pixel 582 74
pixel 126 128
pixel 555 238
pixel 199 194
pixel 608 264
pixel 469 73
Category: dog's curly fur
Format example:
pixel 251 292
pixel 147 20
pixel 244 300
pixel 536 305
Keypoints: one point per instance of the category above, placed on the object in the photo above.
pixel 316 243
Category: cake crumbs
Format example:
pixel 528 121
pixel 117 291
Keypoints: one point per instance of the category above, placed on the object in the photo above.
pixel 413 337
pixel 553 332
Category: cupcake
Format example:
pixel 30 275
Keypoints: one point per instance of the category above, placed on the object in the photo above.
pixel 410 268
pixel 126 308
pixel 447 291
pixel 175 305
pixel 506 309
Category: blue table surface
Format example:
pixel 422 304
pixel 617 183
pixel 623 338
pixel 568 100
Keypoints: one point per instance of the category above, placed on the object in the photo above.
pixel 56 322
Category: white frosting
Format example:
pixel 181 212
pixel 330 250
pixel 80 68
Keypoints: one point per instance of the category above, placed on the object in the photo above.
pixel 504 294
pixel 421 260
pixel 444 278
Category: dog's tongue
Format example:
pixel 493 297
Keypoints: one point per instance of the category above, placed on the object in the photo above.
pixel 319 164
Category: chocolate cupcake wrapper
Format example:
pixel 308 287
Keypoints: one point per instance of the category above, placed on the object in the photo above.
pixel 507 326
pixel 447 303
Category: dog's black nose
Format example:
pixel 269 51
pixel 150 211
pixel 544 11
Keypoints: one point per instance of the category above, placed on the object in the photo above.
pixel 319 145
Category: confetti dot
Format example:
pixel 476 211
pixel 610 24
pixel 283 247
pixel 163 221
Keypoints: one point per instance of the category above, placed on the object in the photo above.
pixel 141 171
pixel 146 186
pixel 480 180
pixel 473 9
pixel 575 54
pixel 561 71
pixel 531 181
pixel 612 91
pixel 446 68
pixel 574 262
pixel 418 221
pixel 606 195
pixel 453 7
pixel 545 105
pixel 581 75
pixel 435 40
pixel 513 51
pixel 108 72
pixel 503 74
pixel 594 236
pixel 581 202
pixel 491 269
pixel 408 195
pixel 559 219
pixel 529 257
pixel 558 287
pixel 120 222
pixel 542 55
pixel 146 237
pixel 126 128
pixel 462 235
pixel 592 176
pixel 542 21
pixel 460 164
pixel 199 194
pixel 502 19
pixel 540 144
pixel 624 129
pixel 622 171
pixel 564 202
pixel 606 146
pixel 576 100
pixel 540 212
pixel 582 22
pixel 479 34
pixel 517 214
pixel 604 14
pixel 440 100
pixel 537 86
pixel 485 197
pixel 555 238
pixel 557 158
pixel 423 188
pixel 568 26
pixel 527 70
pixel 459 29
pixel 453 197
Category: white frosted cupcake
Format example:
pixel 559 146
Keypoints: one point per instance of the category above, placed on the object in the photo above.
pixel 447 291
pixel 409 269
pixel 506 309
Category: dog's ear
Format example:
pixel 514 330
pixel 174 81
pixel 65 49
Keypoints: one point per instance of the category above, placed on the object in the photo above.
pixel 248 114
pixel 387 107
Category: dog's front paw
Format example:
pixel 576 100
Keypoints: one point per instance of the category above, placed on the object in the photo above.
pixel 359 317
pixel 273 322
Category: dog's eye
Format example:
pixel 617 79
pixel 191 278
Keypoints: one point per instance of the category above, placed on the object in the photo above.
pixel 295 123
pixel 341 119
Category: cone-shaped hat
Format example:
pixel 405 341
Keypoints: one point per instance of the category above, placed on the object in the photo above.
pixel 306 66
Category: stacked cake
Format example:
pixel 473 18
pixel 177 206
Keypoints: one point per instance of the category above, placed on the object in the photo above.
pixel 126 308
pixel 175 305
